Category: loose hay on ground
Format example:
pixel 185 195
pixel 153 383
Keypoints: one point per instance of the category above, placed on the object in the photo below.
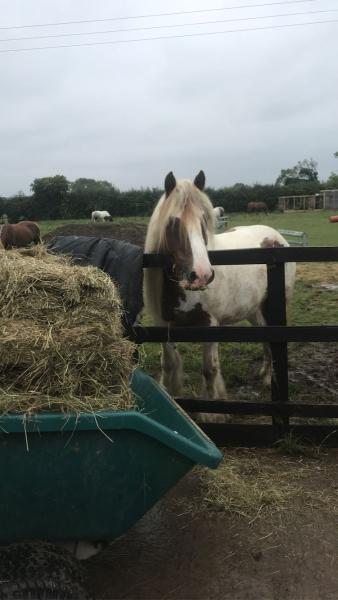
pixel 247 485
pixel 62 342
pixel 253 484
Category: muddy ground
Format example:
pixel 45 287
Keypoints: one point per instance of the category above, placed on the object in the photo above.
pixel 176 552
pixel 134 233
pixel 181 551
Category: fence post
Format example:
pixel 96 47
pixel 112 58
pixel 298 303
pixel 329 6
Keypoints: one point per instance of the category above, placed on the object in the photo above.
pixel 276 315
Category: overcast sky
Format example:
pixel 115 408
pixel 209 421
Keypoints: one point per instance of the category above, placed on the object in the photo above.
pixel 241 106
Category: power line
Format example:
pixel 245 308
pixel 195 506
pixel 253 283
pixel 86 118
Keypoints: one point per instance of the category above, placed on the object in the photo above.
pixel 153 15
pixel 171 26
pixel 169 37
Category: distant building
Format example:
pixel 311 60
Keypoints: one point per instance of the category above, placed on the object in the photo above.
pixel 325 199
pixel 330 198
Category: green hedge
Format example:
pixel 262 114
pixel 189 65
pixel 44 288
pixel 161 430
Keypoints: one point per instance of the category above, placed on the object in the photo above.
pixel 75 204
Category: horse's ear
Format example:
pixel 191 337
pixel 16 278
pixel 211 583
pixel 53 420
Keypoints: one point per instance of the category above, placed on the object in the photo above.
pixel 199 181
pixel 169 183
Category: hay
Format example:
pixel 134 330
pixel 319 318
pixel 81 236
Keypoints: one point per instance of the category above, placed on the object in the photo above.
pixel 265 484
pixel 62 342
pixel 247 486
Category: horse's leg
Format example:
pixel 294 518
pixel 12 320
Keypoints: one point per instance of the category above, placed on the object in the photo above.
pixel 36 239
pixel 266 369
pixel 7 236
pixel 172 369
pixel 37 235
pixel 213 383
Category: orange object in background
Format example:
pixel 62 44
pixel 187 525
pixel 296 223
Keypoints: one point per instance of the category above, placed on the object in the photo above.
pixel 333 219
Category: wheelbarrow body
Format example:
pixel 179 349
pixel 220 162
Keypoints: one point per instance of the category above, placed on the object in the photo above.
pixel 93 476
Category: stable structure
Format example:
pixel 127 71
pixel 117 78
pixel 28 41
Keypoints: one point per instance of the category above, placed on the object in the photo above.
pixel 314 201
pixel 330 199
pixel 326 199
pixel 278 334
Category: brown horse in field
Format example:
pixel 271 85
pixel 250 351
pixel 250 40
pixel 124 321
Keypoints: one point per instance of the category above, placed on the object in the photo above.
pixel 19 235
pixel 257 207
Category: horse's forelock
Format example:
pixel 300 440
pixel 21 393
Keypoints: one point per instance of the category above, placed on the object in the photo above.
pixel 175 233
pixel 186 203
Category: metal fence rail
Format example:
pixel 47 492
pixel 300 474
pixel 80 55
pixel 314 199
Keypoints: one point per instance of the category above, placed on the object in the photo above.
pixel 221 224
pixel 295 238
pixel 278 334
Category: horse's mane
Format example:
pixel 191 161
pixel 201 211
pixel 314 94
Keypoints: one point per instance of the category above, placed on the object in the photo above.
pixel 187 203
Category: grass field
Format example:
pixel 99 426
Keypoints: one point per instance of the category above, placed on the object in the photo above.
pixel 311 304
pixel 315 224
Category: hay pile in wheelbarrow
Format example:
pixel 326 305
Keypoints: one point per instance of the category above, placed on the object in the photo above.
pixel 61 336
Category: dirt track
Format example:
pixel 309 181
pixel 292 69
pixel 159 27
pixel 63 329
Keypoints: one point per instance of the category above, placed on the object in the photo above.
pixel 134 233
pixel 173 553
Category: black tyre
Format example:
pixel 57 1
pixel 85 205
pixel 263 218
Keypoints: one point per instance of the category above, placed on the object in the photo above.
pixel 41 590
pixel 40 571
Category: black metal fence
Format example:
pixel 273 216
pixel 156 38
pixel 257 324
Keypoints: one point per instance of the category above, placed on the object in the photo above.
pixel 278 334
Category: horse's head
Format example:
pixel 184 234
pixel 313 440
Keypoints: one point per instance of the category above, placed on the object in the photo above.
pixel 184 221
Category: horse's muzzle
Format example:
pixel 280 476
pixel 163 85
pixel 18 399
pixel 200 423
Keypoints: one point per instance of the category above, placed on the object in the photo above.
pixel 194 284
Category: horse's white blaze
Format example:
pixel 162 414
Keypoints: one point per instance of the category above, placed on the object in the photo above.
pixel 200 259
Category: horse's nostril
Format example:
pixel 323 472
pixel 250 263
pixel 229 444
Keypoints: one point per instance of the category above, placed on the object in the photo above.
pixel 192 276
pixel 212 276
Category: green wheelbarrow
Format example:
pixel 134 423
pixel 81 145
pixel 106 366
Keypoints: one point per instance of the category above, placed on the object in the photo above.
pixel 91 477
pixel 87 477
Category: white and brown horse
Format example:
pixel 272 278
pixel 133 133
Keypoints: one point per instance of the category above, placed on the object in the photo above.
pixel 194 293
pixel 19 235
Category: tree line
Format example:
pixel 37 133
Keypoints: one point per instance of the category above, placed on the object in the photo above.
pixel 57 198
